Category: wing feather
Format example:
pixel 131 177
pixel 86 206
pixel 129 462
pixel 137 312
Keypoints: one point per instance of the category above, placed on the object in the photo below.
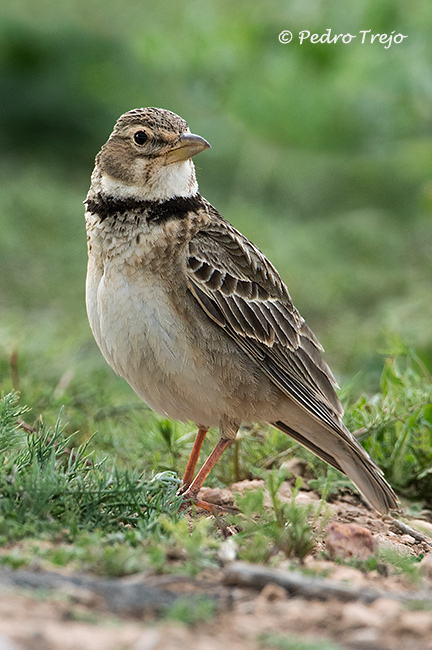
pixel 242 292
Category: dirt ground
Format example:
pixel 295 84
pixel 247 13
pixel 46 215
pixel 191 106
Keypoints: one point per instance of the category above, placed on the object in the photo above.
pixel 46 611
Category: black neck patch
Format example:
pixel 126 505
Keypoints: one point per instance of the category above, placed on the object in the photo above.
pixel 155 211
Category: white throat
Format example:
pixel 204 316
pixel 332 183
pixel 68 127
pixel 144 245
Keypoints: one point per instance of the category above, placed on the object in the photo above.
pixel 167 181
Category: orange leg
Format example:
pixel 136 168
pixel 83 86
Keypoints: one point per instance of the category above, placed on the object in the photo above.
pixel 191 492
pixel 193 459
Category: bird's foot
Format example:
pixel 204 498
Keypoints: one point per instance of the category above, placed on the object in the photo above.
pixel 190 499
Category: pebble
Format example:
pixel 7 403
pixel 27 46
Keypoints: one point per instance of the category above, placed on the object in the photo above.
pixel 295 466
pixel 227 551
pixel 299 614
pixel 362 639
pixel 349 540
pixel 348 574
pixel 148 640
pixel 417 623
pixel 272 592
pixel 387 608
pixel 304 498
pixel 360 615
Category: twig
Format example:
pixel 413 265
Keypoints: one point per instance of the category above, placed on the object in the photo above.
pixel 14 368
pixel 25 426
pixel 256 577
pixel 407 530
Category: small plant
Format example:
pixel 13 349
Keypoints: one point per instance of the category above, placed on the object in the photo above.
pixel 330 483
pixel 398 423
pixel 96 516
pixel 194 546
pixel 12 435
pixel 46 486
pixel 191 611
pixel 385 561
pixel 402 563
pixel 292 533
pixel 284 527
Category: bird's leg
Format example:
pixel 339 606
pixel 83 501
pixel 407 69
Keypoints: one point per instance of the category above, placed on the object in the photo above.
pixel 191 492
pixel 193 459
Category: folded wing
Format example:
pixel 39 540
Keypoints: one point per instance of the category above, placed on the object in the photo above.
pixel 242 292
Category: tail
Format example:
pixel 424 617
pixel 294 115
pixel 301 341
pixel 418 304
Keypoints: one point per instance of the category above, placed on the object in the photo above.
pixel 342 451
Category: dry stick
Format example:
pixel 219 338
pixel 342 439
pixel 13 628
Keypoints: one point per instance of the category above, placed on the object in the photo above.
pixel 407 530
pixel 249 575
pixel 14 368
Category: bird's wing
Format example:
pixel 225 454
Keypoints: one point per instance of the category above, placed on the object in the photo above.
pixel 241 291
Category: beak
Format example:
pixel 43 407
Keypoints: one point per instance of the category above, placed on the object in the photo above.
pixel 187 146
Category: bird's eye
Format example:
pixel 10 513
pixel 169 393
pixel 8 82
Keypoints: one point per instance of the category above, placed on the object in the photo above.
pixel 140 137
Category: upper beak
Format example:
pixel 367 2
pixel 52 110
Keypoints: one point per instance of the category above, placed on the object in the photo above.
pixel 187 146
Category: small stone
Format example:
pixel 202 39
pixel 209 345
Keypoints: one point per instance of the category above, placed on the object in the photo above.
pixel 387 608
pixel 407 539
pixel 418 623
pixel 241 486
pixel 305 498
pixel 148 640
pixel 348 574
pixel 349 540
pixel 363 638
pixel 391 534
pixel 217 496
pixel 359 615
pixel 295 466
pixel 272 592
pixel 300 614
pixel 227 551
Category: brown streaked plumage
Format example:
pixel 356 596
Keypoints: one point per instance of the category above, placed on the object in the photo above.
pixel 194 316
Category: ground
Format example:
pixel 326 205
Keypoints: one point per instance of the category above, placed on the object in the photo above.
pixel 380 609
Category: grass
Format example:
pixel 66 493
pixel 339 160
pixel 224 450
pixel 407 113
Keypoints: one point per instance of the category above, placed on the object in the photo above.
pixel 94 499
pixel 286 528
pixel 45 483
pixel 398 423
pixel 388 560
pixel 191 611
pixel 90 506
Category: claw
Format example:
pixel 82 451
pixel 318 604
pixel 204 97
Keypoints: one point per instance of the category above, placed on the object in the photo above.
pixel 191 500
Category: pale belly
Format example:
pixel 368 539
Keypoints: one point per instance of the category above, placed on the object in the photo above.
pixel 141 337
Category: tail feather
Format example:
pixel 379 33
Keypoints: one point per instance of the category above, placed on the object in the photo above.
pixel 348 456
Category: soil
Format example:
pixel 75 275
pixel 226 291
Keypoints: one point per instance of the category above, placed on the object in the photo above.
pixel 383 610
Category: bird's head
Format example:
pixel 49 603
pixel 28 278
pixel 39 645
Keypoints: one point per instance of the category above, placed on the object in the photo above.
pixel 148 157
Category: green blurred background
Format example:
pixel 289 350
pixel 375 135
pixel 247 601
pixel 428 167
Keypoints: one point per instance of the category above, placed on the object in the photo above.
pixel 321 154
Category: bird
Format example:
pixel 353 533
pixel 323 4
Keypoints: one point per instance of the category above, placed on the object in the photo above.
pixel 195 317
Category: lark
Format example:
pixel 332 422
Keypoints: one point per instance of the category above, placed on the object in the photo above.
pixel 194 316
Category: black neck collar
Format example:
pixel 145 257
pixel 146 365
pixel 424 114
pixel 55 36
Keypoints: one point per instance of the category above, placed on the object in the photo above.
pixel 157 211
